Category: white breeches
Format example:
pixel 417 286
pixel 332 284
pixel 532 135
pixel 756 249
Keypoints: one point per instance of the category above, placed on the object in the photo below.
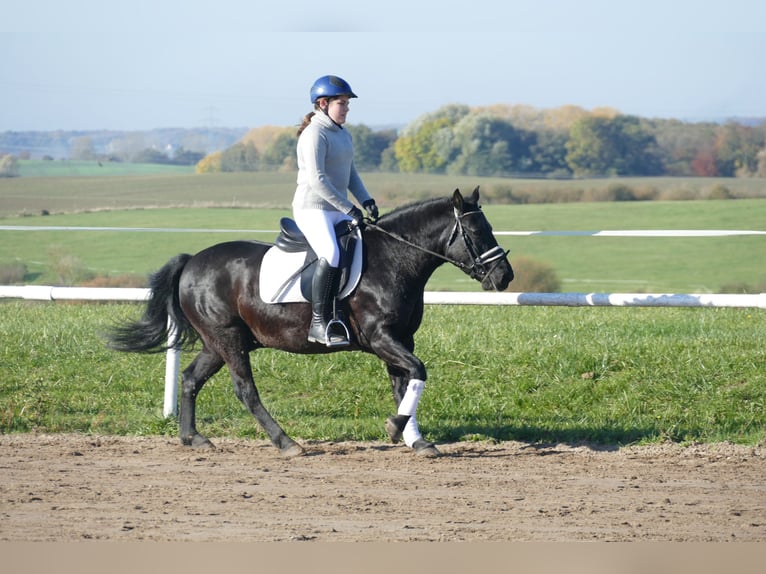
pixel 318 226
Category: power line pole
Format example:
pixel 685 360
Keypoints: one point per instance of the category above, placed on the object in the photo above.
pixel 210 121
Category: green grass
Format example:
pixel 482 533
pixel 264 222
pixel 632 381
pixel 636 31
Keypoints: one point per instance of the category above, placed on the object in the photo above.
pixel 87 187
pixel 69 168
pixel 607 375
pixel 628 264
pixel 603 375
pixel 588 264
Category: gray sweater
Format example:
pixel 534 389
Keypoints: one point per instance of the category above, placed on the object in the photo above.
pixel 326 171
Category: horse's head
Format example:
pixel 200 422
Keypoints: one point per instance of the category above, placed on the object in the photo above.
pixel 473 245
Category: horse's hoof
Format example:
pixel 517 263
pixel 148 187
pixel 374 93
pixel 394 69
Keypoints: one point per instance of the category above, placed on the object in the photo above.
pixel 197 441
pixel 425 449
pixel 201 442
pixel 292 450
pixel 393 430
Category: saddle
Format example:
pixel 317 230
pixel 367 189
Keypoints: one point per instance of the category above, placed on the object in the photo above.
pixel 288 266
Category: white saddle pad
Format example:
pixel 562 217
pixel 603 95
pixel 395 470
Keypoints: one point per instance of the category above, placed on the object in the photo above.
pixel 278 266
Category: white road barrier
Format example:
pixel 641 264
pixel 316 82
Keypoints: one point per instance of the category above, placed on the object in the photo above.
pixel 598 299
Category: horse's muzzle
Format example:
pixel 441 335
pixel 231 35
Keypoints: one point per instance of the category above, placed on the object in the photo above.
pixel 498 276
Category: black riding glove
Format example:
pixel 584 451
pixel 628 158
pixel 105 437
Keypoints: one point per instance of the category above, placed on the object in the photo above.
pixel 356 214
pixel 371 209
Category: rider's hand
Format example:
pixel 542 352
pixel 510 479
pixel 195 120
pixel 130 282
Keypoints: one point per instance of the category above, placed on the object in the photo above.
pixel 371 209
pixel 356 214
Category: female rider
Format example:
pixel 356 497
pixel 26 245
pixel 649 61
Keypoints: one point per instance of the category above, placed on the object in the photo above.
pixel 326 173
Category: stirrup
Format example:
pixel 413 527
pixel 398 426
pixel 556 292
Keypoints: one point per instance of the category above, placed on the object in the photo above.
pixel 342 339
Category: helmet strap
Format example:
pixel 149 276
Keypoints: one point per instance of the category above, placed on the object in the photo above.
pixel 324 110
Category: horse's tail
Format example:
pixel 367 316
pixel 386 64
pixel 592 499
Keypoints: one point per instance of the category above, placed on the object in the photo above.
pixel 150 333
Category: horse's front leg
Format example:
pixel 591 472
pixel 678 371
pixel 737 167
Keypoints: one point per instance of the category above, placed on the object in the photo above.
pixel 408 379
pixel 205 365
pixel 244 387
pixel 395 424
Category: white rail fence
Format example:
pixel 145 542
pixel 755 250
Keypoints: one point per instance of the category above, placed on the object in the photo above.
pixel 173 356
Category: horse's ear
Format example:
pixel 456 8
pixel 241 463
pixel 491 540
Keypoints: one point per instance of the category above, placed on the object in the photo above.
pixel 457 200
pixel 475 196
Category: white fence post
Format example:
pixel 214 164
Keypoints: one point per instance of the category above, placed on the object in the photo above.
pixel 172 364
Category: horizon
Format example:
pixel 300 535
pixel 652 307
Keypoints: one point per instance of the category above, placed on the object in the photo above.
pixel 744 120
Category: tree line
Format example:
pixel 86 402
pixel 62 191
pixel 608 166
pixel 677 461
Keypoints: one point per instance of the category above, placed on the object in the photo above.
pixel 521 141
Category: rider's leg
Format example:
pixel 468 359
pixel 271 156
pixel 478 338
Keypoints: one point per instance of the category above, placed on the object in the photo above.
pixel 324 286
pixel 319 228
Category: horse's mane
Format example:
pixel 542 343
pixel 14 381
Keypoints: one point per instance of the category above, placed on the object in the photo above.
pixel 420 213
pixel 415 211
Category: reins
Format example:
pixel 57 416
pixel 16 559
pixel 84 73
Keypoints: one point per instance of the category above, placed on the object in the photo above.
pixel 479 262
pixel 399 238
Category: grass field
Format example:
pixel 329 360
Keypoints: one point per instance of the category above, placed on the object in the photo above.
pixel 586 264
pixel 75 168
pixel 607 375
pixel 604 375
pixel 87 187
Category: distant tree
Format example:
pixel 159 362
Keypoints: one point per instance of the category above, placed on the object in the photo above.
pixel 388 160
pixel 737 148
pixel 704 163
pixel 240 157
pixel 263 136
pixel 681 143
pixel 451 113
pixel 639 153
pixel 418 152
pixel 369 146
pixel 150 155
pixel 211 163
pixel 492 146
pixel 549 151
pixel 612 146
pixel 425 145
pixel 562 118
pixel 528 118
pixel 487 145
pixel 588 147
pixel 279 153
pixel 761 163
pixel 186 157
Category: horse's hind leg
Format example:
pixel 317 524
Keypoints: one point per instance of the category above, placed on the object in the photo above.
pixel 206 364
pixel 244 387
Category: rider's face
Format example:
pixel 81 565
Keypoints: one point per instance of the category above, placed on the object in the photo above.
pixel 337 108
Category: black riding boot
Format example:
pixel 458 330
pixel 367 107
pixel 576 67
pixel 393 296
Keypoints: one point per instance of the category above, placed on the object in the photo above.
pixel 324 286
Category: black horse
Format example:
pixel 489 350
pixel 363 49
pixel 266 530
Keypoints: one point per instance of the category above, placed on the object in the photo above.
pixel 213 296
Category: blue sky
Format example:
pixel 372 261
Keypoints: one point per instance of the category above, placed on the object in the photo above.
pixel 143 64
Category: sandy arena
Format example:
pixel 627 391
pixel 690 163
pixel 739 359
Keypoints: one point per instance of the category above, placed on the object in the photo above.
pixel 78 487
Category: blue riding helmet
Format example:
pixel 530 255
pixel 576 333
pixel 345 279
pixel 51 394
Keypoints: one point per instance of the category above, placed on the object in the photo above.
pixel 330 86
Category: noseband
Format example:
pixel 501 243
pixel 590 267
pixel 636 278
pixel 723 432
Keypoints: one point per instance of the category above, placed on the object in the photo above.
pixel 480 263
